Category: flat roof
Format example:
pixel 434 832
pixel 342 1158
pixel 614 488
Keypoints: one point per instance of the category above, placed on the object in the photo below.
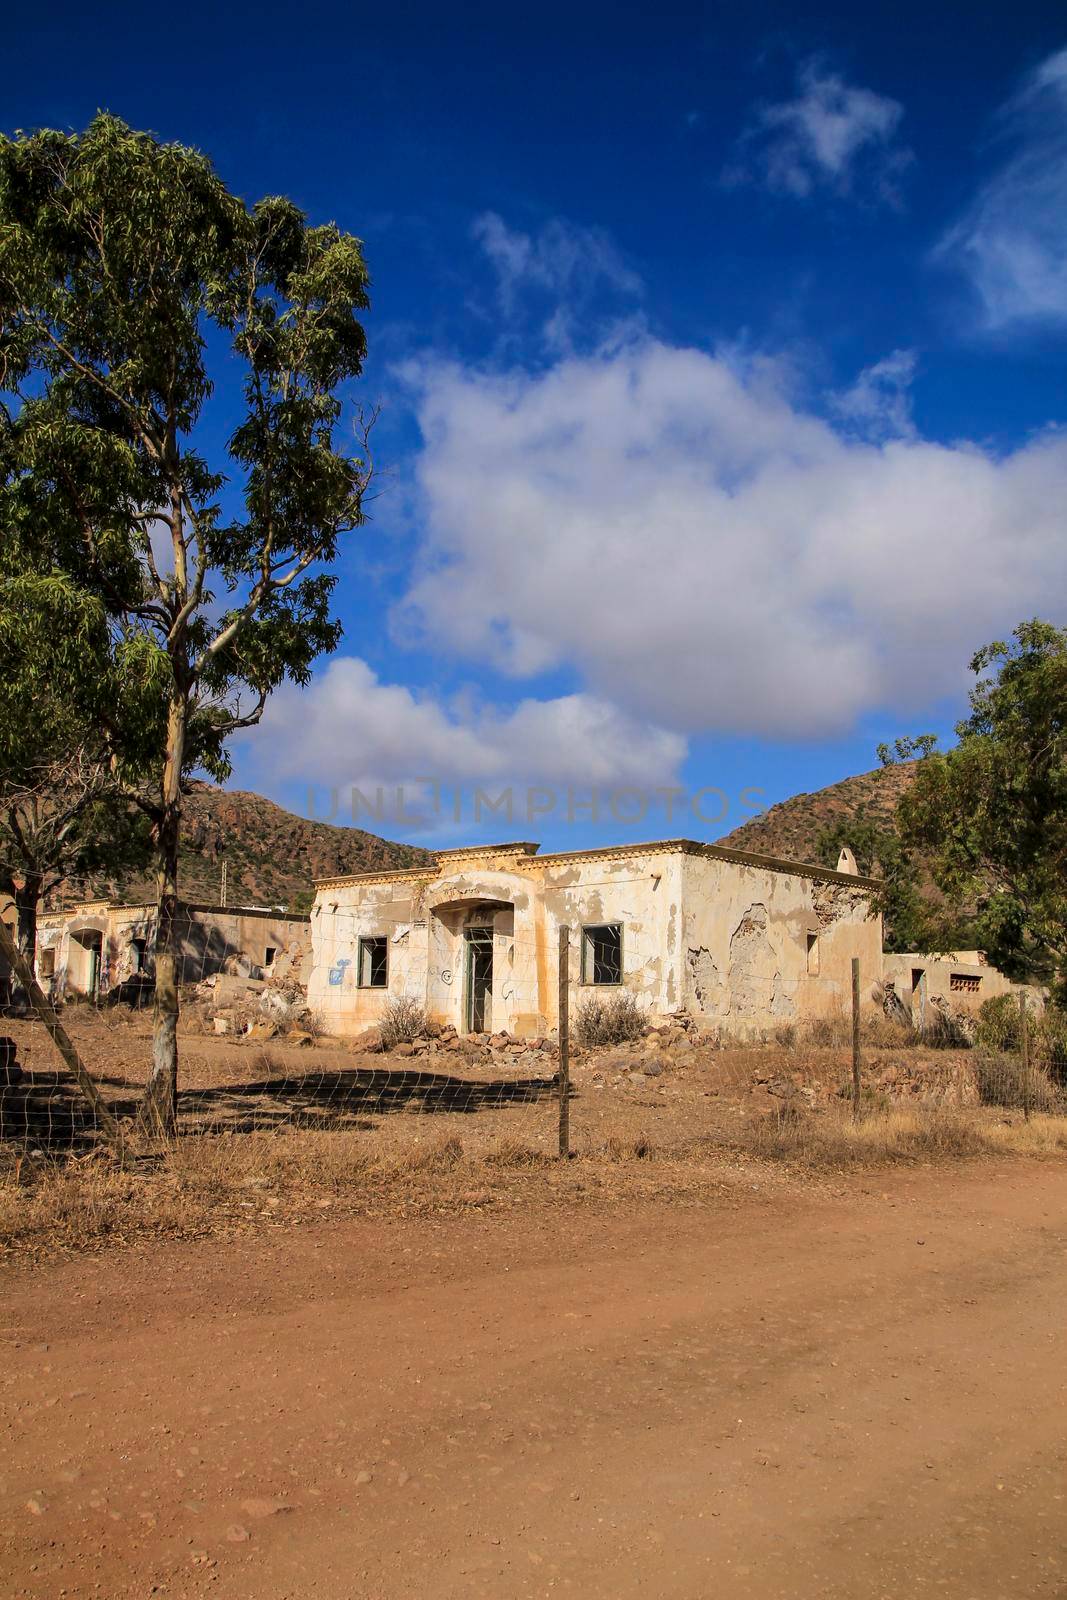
pixel 85 907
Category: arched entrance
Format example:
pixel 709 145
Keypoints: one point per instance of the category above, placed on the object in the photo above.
pixel 84 961
pixel 472 953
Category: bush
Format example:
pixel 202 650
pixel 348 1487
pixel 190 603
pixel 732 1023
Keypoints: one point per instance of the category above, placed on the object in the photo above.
pixel 829 1032
pixel 1050 1042
pixel 997 1026
pixel 608 1021
pixel 1002 1081
pixel 998 1030
pixel 403 1021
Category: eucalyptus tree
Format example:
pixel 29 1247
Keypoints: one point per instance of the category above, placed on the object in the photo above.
pixel 206 516
pixel 991 812
pixel 65 814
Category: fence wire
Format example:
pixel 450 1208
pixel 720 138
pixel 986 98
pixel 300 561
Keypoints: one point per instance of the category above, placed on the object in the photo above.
pixel 255 1059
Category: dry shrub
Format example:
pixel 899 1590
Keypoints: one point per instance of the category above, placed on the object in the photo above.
pixel 883 1032
pixel 312 1022
pixel 609 1020
pixel 636 1149
pixel 403 1021
pixel 943 1031
pixel 1003 1081
pixel 512 1152
pixel 828 1142
pixel 829 1032
pixel 786 1036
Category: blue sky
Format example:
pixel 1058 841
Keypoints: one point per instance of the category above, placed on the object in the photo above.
pixel 721 355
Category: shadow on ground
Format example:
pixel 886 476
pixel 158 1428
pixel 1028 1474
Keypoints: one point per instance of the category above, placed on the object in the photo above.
pixel 346 1097
pixel 45 1110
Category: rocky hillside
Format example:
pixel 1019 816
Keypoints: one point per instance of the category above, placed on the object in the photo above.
pixel 272 856
pixel 792 827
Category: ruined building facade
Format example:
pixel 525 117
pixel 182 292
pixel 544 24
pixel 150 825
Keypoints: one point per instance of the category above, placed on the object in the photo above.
pixel 98 948
pixel 745 941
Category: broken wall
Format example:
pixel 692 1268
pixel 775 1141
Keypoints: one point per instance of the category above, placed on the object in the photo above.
pixel 764 946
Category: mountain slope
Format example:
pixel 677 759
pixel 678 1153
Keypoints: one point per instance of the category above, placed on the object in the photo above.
pixel 792 827
pixel 272 856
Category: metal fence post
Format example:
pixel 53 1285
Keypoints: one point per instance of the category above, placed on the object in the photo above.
pixel 564 1044
pixel 855 1038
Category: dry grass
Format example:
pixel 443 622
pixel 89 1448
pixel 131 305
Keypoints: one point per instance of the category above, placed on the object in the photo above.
pixel 605 1020
pixel 1003 1081
pixel 834 1141
pixel 225 1183
pixel 898 1136
pixel 681 1122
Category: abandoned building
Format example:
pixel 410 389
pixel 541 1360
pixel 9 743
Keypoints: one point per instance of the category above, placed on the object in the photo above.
pixel 960 980
pixel 736 939
pixel 99 948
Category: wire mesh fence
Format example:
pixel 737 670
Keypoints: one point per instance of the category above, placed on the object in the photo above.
pixel 254 1059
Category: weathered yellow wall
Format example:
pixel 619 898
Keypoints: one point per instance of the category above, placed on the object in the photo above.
pixel 938 972
pixel 746 959
pixel 210 936
pixel 723 939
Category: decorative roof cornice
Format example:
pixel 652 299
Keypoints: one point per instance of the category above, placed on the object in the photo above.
pixel 689 847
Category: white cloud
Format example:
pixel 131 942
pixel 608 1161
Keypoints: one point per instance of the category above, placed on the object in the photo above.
pixel 561 257
pixel 878 404
pixel 569 275
pixel 832 135
pixel 707 554
pixel 1012 240
pixel 350 728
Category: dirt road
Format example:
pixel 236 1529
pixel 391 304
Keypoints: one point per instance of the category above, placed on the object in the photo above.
pixel 857 1396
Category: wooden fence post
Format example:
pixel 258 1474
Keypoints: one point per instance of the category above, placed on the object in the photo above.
pixel 60 1037
pixel 856 1038
pixel 564 1044
pixel 1024 1041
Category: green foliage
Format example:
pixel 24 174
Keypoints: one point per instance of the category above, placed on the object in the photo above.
pixel 129 275
pixel 999 1029
pixel 63 812
pixel 124 263
pixel 992 812
pixel 912 921
pixel 998 1024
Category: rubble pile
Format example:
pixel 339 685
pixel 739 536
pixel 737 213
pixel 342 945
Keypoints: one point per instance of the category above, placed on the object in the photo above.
pixel 499 1049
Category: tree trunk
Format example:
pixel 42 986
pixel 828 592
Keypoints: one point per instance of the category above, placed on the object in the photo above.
pixel 159 1111
pixel 27 899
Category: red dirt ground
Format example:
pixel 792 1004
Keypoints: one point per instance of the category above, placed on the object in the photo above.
pixel 857 1396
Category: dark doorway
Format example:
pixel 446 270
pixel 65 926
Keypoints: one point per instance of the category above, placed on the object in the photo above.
pixel 479 977
pixel 84 962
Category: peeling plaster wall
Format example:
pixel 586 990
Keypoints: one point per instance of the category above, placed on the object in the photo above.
pixel 210 936
pixel 723 939
pixel 746 930
pixel 525 900
pixel 919 979
pixel 643 893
